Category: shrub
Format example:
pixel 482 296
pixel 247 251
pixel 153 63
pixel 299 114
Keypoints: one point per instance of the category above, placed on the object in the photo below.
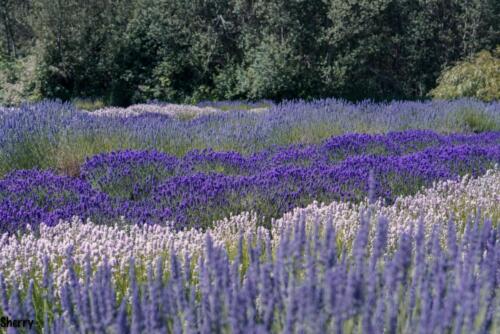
pixel 478 77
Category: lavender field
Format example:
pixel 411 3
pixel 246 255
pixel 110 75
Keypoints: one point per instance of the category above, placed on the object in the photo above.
pixel 234 217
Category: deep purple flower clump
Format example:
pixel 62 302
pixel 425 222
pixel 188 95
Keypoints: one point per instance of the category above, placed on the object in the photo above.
pixel 34 197
pixel 205 185
pixel 128 175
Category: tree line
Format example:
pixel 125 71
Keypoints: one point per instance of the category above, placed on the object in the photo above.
pixel 128 51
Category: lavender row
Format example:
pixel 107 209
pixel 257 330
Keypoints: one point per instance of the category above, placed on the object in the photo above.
pixel 309 282
pixel 198 199
pixel 133 174
pixel 58 136
pixel 324 154
pixel 192 198
pixel 24 254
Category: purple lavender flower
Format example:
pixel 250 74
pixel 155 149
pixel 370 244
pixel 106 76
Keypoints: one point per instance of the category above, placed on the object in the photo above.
pixel 409 289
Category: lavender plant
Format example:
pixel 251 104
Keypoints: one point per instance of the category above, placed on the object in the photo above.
pixel 310 282
pixel 33 196
pixel 205 186
pixel 56 135
pixel 117 243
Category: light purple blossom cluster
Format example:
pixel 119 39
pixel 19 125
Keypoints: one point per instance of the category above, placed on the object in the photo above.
pixel 308 283
pixel 172 110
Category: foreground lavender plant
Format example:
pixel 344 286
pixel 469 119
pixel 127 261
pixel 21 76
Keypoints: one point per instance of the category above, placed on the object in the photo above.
pixel 308 283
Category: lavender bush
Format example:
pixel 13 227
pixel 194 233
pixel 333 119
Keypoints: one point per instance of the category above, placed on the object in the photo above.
pixel 58 136
pixel 309 282
pixel 116 243
pixel 202 187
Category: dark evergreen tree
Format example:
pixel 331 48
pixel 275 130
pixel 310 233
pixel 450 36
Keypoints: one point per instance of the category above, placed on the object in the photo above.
pixel 127 51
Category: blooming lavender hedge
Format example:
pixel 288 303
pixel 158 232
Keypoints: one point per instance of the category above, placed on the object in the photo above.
pixel 58 136
pixel 115 244
pixel 205 186
pixel 308 283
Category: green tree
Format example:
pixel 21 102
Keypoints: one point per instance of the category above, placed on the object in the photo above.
pixel 15 28
pixel 77 39
pixel 282 48
pixel 479 25
pixel 387 49
pixel 127 51
pixel 175 49
pixel 361 49
pixel 478 77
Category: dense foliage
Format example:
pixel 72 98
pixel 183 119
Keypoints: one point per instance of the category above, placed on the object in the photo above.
pixel 479 78
pixel 129 51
